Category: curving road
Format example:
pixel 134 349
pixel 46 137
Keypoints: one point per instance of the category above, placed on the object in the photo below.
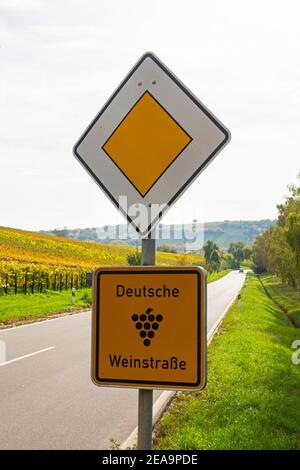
pixel 47 398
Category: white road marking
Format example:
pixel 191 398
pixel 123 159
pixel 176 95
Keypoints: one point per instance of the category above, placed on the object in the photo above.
pixel 26 355
pixel 215 326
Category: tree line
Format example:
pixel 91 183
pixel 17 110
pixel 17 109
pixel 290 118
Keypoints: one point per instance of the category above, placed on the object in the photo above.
pixel 215 259
pixel 277 250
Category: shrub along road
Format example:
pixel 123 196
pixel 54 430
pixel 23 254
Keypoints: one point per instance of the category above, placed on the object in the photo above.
pixel 285 296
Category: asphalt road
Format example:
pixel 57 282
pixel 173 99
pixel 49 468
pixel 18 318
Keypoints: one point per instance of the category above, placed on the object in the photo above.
pixel 47 399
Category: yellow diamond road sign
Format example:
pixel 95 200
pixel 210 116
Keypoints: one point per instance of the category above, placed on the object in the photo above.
pixel 149 142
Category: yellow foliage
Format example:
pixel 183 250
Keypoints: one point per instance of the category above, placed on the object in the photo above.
pixel 49 257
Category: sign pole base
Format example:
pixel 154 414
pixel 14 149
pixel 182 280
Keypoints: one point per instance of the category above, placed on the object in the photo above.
pixel 144 441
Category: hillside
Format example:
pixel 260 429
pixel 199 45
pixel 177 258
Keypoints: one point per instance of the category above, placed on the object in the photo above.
pixel 244 231
pixel 181 237
pixel 46 260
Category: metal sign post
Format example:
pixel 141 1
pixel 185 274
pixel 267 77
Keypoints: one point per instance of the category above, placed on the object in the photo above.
pixel 146 396
pixel 149 324
pixel 149 330
pixel 144 441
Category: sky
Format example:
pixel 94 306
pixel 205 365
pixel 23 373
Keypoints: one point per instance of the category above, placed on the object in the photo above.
pixel 61 60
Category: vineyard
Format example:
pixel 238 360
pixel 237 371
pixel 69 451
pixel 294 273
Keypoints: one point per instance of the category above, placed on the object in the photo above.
pixel 31 262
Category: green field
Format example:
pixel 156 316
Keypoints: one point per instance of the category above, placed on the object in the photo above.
pixel 284 295
pixel 252 397
pixel 16 308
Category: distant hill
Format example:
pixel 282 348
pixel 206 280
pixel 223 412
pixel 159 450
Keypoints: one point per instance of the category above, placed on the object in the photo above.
pixel 187 237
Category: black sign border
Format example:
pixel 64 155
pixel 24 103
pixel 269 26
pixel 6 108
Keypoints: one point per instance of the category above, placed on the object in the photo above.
pixel 97 330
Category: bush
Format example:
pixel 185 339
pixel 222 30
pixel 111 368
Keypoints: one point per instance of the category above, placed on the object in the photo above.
pixel 166 249
pixel 87 297
pixel 258 269
pixel 134 259
pixel 234 264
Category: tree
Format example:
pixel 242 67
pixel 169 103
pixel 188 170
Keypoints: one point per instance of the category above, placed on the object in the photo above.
pixel 277 250
pixel 237 251
pixel 208 248
pixel 247 252
pixel 293 235
pixel 293 238
pixel 211 255
pixel 259 254
pixel 215 260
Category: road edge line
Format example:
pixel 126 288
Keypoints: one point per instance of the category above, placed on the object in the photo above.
pixel 217 325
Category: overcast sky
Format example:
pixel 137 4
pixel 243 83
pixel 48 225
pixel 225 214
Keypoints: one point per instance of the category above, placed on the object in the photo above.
pixel 61 59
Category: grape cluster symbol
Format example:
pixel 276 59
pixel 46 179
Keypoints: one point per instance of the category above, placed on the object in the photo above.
pixel 147 324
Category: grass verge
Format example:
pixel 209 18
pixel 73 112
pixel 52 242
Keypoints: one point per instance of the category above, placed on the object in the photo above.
pixel 217 275
pixel 252 397
pixel 16 308
pixel 285 296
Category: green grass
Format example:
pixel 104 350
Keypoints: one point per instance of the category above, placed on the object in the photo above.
pixel 284 295
pixel 252 397
pixel 217 275
pixel 22 307
pixel 15 308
